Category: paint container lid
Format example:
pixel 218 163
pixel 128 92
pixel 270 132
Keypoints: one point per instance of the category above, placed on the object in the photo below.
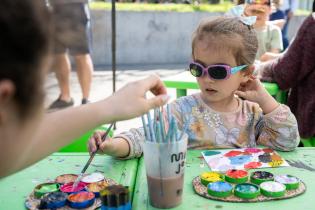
pixel 53 200
pixel 246 191
pixel 68 188
pixel 236 176
pixel 45 188
pixel 96 187
pixel 115 196
pixel 290 182
pixel 81 200
pixel 259 177
pixel 272 189
pixel 66 178
pixel 93 177
pixel 208 177
pixel 219 189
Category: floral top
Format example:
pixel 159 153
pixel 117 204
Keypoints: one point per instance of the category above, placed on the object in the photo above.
pixel 245 127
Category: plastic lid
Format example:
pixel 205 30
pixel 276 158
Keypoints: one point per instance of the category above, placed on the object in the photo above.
pixel 44 188
pixel 236 176
pixel 219 189
pixel 259 177
pixel 208 177
pixel 290 182
pixel 272 189
pixel 246 191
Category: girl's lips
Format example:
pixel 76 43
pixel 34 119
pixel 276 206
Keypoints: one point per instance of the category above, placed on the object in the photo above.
pixel 209 90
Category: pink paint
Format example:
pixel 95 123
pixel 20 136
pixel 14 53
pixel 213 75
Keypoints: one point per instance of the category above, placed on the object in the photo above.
pixel 68 188
pixel 252 165
pixel 252 150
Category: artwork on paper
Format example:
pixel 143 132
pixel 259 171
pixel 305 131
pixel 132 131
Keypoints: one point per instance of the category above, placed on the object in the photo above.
pixel 246 158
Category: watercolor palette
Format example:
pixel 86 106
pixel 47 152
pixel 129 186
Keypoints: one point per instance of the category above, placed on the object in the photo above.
pixel 246 158
pixel 59 194
pixel 284 186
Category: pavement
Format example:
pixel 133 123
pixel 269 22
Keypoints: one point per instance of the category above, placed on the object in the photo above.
pixel 102 85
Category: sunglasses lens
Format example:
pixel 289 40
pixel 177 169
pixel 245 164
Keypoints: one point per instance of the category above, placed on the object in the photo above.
pixel 217 72
pixel 195 70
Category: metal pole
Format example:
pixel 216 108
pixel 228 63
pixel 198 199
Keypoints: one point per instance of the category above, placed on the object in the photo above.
pixel 114 47
pixel 114 44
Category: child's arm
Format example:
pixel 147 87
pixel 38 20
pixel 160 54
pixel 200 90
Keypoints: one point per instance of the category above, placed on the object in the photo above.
pixel 277 126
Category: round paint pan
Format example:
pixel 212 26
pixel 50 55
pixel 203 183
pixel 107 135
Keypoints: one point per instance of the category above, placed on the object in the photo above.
pixel 219 189
pixel 45 188
pixel 93 177
pixel 272 189
pixel 53 200
pixel 246 191
pixel 66 178
pixel 208 177
pixel 259 177
pixel 81 200
pixel 68 188
pixel 96 187
pixel 236 176
pixel 290 182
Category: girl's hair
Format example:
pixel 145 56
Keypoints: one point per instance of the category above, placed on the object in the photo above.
pixel 24 41
pixel 228 33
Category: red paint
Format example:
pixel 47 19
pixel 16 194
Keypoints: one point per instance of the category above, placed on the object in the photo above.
pixel 268 150
pixel 252 165
pixel 236 174
pixel 233 153
pixel 252 150
pixel 81 196
pixel 67 188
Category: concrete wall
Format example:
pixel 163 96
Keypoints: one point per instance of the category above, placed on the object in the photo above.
pixel 148 37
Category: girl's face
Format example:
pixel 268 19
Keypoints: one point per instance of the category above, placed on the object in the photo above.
pixel 261 11
pixel 217 92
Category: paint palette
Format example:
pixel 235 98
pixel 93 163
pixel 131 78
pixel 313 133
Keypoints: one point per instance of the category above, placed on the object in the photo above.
pixel 62 198
pixel 279 187
pixel 246 158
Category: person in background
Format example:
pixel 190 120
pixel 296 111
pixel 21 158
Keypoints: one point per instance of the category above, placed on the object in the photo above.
pixel 288 7
pixel 26 133
pixel 232 110
pixel 277 16
pixel 294 70
pixel 72 35
pixel 268 35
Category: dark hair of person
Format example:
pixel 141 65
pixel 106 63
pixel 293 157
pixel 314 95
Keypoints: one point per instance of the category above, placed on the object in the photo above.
pixel 24 42
pixel 313 6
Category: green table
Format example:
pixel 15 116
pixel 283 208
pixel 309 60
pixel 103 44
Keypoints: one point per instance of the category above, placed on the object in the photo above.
pixel 15 188
pixel 184 81
pixel 194 167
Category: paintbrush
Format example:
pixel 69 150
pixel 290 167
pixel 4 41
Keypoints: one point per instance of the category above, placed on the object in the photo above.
pixel 75 184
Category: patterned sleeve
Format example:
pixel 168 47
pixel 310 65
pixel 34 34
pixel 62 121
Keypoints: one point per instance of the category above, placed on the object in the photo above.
pixel 278 129
pixel 135 137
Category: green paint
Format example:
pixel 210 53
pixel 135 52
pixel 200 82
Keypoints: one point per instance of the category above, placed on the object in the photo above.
pixel 210 153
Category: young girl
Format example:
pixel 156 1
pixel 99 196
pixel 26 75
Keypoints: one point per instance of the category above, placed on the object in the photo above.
pixel 233 109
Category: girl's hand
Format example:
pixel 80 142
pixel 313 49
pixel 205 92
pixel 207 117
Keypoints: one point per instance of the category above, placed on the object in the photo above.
pixel 96 142
pixel 254 91
pixel 117 147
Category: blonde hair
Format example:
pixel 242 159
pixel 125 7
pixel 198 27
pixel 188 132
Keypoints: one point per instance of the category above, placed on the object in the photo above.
pixel 228 33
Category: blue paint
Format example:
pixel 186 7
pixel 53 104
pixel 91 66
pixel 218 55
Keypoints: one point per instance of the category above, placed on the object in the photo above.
pixel 240 160
pixel 220 186
pixel 210 153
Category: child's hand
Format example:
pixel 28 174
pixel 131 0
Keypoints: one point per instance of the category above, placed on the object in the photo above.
pixel 254 91
pixel 96 142
pixel 117 147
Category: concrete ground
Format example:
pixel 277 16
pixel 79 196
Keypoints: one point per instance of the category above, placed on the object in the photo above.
pixel 102 86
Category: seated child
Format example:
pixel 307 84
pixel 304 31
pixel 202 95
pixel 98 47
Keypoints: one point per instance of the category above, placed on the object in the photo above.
pixel 232 110
pixel 269 35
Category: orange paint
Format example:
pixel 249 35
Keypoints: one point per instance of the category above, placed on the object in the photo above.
pixel 236 174
pixel 81 196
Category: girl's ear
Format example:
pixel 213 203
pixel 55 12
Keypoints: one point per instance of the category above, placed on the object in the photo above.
pixel 247 73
